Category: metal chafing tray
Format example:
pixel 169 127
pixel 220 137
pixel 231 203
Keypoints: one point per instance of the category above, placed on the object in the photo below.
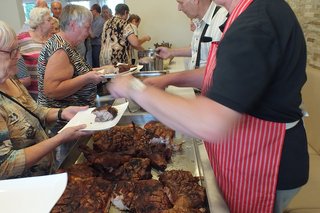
pixel 192 158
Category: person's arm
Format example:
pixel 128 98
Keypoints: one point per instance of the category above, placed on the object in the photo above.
pixel 144 39
pixel 58 79
pixel 65 113
pixel 164 52
pixel 134 42
pixel 13 162
pixel 199 117
pixel 192 78
pixel 34 153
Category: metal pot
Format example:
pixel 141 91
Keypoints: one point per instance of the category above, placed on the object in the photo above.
pixel 149 60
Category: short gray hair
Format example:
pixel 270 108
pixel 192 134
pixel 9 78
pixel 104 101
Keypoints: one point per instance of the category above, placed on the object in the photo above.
pixel 76 13
pixel 37 16
pixel 7 35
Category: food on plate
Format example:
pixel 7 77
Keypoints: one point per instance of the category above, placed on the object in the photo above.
pixel 110 69
pixel 125 67
pixel 105 113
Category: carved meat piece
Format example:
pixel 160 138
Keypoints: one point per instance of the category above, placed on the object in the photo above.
pixel 85 195
pixel 183 189
pixel 125 67
pixel 83 170
pixel 123 194
pixel 105 113
pixel 134 169
pixel 143 196
pixel 150 197
pixel 160 130
pixel 118 166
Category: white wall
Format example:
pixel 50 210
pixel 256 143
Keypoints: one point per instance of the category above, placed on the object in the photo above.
pixel 159 19
pixel 12 13
pixel 162 21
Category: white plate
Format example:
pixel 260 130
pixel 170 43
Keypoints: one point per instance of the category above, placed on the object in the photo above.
pixel 130 71
pixel 87 117
pixel 33 194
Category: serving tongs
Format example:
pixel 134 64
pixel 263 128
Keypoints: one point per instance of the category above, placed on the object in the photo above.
pixel 106 98
pixel 103 100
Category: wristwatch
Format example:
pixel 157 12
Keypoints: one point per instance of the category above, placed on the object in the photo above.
pixel 137 85
pixel 60 115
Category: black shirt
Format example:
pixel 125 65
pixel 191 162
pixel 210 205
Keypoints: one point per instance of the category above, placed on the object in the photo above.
pixel 260 71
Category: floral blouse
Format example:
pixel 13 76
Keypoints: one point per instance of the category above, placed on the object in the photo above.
pixel 19 129
pixel 114 41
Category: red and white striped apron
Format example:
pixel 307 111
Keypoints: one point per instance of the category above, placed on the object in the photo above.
pixel 246 162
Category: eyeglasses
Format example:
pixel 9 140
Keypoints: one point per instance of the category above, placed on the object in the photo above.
pixel 13 53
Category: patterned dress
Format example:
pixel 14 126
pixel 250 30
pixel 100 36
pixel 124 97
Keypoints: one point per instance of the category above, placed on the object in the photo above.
pixel 114 42
pixel 30 50
pixel 18 130
pixel 84 96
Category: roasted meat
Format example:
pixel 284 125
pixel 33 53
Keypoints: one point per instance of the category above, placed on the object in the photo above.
pixel 118 166
pixel 160 130
pixel 105 160
pixel 143 196
pixel 83 170
pixel 85 195
pixel 118 169
pixel 105 113
pixel 136 142
pixel 183 189
pixel 125 67
pixel 134 169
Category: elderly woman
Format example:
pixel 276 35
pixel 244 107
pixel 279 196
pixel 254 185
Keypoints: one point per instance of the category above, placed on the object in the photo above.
pixel 65 78
pixel 25 149
pixel 31 43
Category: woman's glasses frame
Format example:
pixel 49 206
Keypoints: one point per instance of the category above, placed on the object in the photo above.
pixel 13 53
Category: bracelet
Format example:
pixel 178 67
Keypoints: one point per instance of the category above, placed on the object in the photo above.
pixel 60 114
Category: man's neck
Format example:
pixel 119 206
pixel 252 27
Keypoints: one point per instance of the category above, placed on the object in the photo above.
pixel 203 7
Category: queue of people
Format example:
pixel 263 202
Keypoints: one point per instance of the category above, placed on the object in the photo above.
pixel 248 113
pixel 25 148
pixel 45 56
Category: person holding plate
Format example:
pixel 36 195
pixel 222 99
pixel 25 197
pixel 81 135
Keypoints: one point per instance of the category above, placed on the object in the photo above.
pixel 25 149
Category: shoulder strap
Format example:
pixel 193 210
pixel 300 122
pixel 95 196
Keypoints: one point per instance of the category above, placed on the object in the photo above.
pixel 34 115
pixel 202 35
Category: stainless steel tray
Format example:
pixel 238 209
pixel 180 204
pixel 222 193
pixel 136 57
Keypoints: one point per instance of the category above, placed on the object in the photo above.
pixel 188 159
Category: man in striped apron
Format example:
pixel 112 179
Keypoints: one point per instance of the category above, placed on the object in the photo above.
pixel 248 112
pixel 252 163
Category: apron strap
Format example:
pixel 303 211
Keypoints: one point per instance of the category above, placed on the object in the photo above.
pixel 203 38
